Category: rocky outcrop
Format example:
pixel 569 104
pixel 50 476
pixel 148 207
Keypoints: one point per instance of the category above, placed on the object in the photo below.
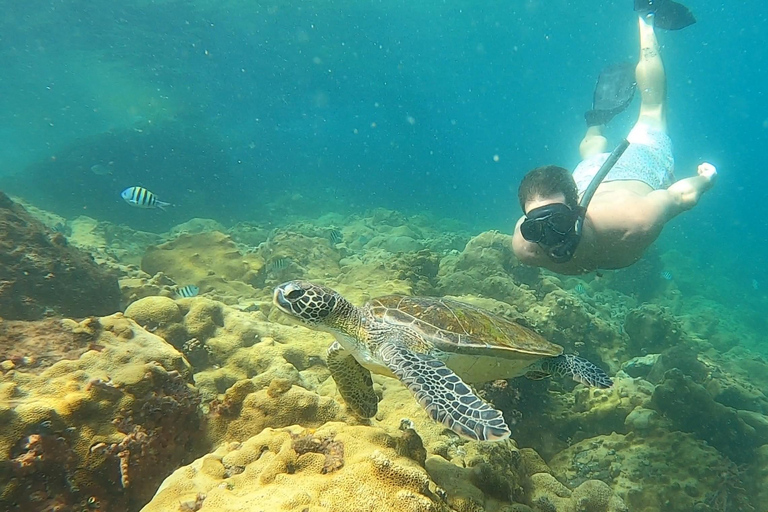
pixel 42 275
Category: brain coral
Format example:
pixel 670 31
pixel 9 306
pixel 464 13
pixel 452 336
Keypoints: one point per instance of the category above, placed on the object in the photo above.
pixel 336 468
pixel 94 414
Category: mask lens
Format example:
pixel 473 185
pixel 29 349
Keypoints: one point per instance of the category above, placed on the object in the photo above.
pixel 561 223
pixel 532 230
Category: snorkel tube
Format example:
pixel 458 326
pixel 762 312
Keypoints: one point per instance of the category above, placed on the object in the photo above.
pixel 564 251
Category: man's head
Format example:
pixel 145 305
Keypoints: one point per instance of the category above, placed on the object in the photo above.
pixel 549 199
pixel 548 184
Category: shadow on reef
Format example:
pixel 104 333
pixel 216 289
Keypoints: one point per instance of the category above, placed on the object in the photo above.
pixel 179 162
pixel 42 274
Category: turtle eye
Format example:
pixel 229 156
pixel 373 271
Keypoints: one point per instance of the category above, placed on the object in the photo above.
pixel 293 294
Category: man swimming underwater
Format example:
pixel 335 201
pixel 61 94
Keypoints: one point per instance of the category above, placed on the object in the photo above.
pixel 571 227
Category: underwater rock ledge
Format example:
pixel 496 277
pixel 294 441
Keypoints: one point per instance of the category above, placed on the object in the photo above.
pixel 42 275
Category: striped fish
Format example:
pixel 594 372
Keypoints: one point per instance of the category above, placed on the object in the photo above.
pixel 277 264
pixel 666 275
pixel 335 237
pixel 142 198
pixel 187 291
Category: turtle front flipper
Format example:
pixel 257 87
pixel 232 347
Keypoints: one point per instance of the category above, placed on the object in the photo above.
pixel 353 381
pixel 444 395
pixel 572 366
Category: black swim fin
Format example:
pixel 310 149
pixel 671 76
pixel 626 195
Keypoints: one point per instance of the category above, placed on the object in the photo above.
pixel 614 91
pixel 667 14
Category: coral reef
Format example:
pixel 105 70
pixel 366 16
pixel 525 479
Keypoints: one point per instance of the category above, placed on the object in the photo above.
pixel 334 468
pixel 669 471
pixel 225 345
pixel 95 414
pixel 340 467
pixel 208 260
pixel 488 267
pixel 100 411
pixel 651 329
pixel 42 275
pixel 691 408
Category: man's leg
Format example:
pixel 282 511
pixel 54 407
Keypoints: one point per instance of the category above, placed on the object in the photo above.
pixel 663 205
pixel 687 192
pixel 651 79
pixel 593 142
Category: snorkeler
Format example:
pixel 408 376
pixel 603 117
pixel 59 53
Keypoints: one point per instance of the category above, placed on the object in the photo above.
pixel 614 205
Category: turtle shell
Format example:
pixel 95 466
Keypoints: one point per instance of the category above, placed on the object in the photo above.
pixel 456 327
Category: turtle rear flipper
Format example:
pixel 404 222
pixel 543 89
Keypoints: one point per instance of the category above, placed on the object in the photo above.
pixel 572 366
pixel 444 395
pixel 353 381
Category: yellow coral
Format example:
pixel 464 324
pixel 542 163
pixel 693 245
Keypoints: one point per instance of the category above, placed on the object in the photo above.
pixel 154 311
pixel 203 317
pixel 373 477
pixel 266 408
pixel 73 413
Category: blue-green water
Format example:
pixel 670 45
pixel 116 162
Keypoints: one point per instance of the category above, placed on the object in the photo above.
pixel 220 107
pixel 275 112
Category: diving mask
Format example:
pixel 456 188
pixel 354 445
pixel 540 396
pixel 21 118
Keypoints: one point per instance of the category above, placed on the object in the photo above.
pixel 549 225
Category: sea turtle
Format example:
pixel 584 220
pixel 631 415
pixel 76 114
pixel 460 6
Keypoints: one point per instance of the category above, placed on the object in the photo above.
pixel 433 345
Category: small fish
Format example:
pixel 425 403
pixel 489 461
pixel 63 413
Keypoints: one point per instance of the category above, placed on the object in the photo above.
pixel 185 292
pixel 142 198
pixel 335 237
pixel 277 264
pixel 666 275
pixel 101 169
pixel 62 228
pixel 755 284
pixel 580 289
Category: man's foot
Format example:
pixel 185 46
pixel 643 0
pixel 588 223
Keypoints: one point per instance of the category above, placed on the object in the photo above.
pixel 707 171
pixel 665 14
pixel 687 192
pixel 614 91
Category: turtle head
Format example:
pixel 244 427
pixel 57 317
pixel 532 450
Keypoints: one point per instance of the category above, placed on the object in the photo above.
pixel 310 303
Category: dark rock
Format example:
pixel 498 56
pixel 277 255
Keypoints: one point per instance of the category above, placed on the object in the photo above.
pixel 692 409
pixel 41 275
pixel 651 329
pixel 684 359
pixel 640 366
